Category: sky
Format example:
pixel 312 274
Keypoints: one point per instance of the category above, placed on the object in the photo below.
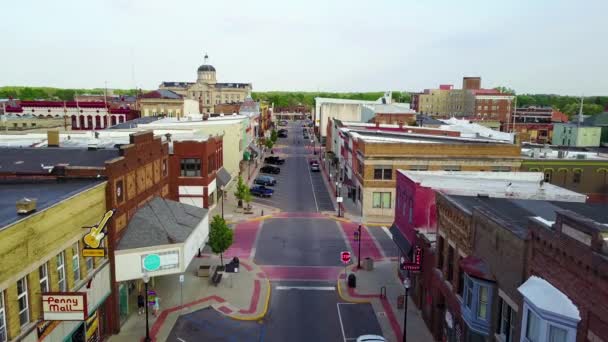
pixel 532 46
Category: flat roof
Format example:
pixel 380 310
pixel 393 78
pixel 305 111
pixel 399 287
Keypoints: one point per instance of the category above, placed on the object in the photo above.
pixel 522 185
pixel 561 154
pixel 46 192
pixel 421 138
pixel 39 159
pixel 519 211
pixel 195 120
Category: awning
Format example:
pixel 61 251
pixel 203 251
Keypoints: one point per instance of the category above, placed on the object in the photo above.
pixel 222 177
pixel 399 239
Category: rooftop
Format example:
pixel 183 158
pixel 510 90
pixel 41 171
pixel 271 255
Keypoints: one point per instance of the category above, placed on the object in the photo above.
pixel 548 298
pixel 47 193
pixel 133 123
pixel 416 138
pixel 597 119
pixel 549 153
pixel 471 130
pixel 162 94
pixel 521 185
pixel 36 160
pixel 519 211
pixel 161 222
pixel 395 108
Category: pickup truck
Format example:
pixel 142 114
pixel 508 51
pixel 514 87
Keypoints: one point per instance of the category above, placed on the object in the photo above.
pixel 274 160
pixel 261 191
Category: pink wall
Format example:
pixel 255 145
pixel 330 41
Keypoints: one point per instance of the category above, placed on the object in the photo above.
pixel 422 201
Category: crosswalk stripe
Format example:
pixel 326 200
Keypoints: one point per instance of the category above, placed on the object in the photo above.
pixel 306 288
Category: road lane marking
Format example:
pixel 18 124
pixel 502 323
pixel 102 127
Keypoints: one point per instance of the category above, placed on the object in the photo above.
pixel 181 340
pixel 307 288
pixel 387 232
pixel 341 324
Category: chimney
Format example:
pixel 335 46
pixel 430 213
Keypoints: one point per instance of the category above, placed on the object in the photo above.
pixel 26 206
pixel 52 138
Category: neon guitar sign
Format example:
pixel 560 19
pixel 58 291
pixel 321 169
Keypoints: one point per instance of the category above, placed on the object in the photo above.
pixel 96 232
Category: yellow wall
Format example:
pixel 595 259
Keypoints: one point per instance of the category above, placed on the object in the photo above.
pixel 434 103
pixel 36 240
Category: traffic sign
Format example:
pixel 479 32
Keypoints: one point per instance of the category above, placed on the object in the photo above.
pixel 181 278
pixel 151 262
pixel 339 199
pixel 357 236
pixel 345 257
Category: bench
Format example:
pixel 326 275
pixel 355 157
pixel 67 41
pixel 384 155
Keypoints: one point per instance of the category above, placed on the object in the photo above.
pixel 216 278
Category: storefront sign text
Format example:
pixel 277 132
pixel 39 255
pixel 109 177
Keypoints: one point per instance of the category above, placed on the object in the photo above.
pixel 64 306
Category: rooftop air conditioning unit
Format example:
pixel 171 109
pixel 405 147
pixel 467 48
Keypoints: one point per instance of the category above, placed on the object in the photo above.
pixel 581 156
pixel 561 154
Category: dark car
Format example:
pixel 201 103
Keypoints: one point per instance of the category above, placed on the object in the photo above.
pixel 314 168
pixel 261 191
pixel 270 169
pixel 313 162
pixel 282 135
pixel 274 160
pixel 265 180
pixel 282 130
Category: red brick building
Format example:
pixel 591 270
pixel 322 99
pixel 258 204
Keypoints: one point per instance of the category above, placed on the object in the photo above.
pixel 194 166
pixel 572 255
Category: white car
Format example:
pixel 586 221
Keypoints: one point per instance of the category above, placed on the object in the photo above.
pixel 370 338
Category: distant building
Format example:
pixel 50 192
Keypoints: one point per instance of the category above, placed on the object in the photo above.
pixel 434 102
pixel 534 124
pixel 166 103
pixel 575 135
pixel 207 91
pixel 599 120
pixel 390 114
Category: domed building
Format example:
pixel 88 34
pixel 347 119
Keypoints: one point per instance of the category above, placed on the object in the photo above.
pixel 207 91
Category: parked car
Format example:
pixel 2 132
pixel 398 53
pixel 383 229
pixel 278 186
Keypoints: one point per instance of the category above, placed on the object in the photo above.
pixel 282 130
pixel 270 169
pixel 265 180
pixel 313 161
pixel 315 168
pixel 282 135
pixel 261 191
pixel 274 160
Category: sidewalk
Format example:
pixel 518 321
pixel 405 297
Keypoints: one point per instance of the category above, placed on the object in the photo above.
pixel 389 317
pixel 243 296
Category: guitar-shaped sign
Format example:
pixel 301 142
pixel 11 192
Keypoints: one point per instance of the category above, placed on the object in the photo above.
pixel 96 234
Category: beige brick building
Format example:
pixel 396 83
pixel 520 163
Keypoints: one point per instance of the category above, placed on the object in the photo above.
pixel 207 91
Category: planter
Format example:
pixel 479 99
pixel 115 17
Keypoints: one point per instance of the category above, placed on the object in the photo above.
pixel 203 271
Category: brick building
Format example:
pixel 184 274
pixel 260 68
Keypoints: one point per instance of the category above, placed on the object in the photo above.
pixel 473 290
pixel 570 255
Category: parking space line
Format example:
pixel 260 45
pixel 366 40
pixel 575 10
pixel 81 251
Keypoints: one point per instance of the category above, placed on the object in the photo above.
pixel 341 324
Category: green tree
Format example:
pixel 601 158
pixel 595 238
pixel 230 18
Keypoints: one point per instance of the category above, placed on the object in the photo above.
pixel 220 236
pixel 247 197
pixel 268 143
pixel 505 90
pixel 241 189
pixel 274 136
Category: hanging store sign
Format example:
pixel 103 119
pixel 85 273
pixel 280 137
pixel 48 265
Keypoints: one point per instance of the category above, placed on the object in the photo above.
pixel 160 261
pixel 416 264
pixel 64 306
pixel 95 236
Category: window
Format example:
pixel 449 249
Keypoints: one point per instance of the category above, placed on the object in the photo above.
pixel 75 263
pixel 211 164
pixel 381 200
pixel 506 323
pixel 383 173
pixel 90 264
pixel 24 312
pixel 450 274
pixel 548 175
pixel 576 176
pixel 61 272
pixel 43 273
pixel 440 252
pixel 533 327
pixel 419 167
pixel 3 337
pixel 501 169
pixel 482 305
pixel 452 168
pixel 468 292
pixel 557 334
pixel 190 167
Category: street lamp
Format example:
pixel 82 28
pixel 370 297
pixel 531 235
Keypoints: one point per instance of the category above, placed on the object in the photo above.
pixel 338 187
pixel 222 190
pixel 146 279
pixel 406 283
pixel 359 238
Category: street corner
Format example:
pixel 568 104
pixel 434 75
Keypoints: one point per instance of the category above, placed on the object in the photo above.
pixel 259 303
pixel 347 293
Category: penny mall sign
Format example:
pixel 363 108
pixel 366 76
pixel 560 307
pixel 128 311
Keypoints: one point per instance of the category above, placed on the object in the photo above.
pixel 64 306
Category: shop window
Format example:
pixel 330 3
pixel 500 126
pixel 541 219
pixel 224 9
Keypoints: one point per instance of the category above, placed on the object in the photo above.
pixel 3 337
pixel 24 311
pixel 482 304
pixel 75 263
pixel 381 200
pixel 43 274
pixel 450 274
pixel 532 327
pixel 61 272
pixel 190 167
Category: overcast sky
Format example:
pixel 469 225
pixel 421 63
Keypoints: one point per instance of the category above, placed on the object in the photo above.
pixel 537 46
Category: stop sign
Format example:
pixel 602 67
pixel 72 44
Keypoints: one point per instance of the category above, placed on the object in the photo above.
pixel 345 257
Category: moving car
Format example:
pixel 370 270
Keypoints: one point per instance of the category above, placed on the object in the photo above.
pixel 313 161
pixel 265 180
pixel 270 169
pixel 315 168
pixel 261 191
pixel 274 160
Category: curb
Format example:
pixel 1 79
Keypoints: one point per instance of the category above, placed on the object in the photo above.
pixel 261 314
pixel 348 299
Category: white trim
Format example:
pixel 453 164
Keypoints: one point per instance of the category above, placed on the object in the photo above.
pixel 3 327
pixel 441 233
pixel 62 269
pixel 507 299
pixel 452 243
pixel 76 261
pixel 27 304
pixel 44 266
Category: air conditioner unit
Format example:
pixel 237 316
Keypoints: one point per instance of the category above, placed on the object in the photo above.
pixel 581 156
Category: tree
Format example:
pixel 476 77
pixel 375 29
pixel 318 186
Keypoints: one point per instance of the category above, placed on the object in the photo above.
pixel 241 188
pixel 247 197
pixel 505 90
pixel 220 236
pixel 274 136
pixel 268 143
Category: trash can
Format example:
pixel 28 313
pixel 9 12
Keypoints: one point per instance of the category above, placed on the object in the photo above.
pixel 352 280
pixel 368 264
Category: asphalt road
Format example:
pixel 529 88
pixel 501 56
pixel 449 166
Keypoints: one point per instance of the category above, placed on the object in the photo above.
pixel 297 189
pixel 210 326
pixel 300 242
